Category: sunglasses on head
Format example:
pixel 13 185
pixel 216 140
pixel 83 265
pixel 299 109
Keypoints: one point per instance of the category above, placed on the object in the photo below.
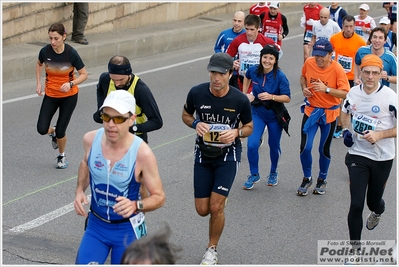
pixel 117 119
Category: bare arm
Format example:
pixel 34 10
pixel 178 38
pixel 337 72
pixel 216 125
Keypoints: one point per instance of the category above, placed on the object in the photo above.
pixel 345 120
pixel 304 85
pixel 200 127
pixel 83 175
pixel 82 76
pixel 39 67
pixel 386 77
pixel 245 85
pixel 147 173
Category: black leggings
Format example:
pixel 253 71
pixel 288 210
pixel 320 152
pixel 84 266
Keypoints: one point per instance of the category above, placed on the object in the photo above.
pixel 49 106
pixel 365 175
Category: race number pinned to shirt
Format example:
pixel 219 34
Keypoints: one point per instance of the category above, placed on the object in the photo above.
pixel 139 226
pixel 308 36
pixel 272 35
pixel 361 123
pixel 212 137
pixel 346 62
pixel 359 31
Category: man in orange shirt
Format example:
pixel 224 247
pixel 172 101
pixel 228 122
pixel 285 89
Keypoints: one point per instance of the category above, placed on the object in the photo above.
pixel 324 84
pixel 345 45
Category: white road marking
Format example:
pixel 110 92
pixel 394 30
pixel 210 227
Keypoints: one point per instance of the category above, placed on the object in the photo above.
pixel 94 83
pixel 45 218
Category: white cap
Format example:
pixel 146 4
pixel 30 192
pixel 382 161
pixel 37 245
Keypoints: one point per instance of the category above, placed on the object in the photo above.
pixel 385 20
pixel 120 100
pixel 364 7
pixel 274 4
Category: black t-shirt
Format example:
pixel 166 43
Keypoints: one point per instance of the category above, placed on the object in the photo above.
pixel 230 110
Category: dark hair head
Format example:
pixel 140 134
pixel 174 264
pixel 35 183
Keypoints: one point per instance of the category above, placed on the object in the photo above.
pixel 119 60
pixel 154 248
pixel 119 65
pixel 348 18
pixel 57 27
pixel 252 19
pixel 268 49
pixel 376 29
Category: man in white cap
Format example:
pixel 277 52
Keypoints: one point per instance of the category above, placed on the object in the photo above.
pixel 391 36
pixel 274 24
pixel 222 116
pixel 115 163
pixel 364 23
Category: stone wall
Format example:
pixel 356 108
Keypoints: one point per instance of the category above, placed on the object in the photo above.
pixel 29 22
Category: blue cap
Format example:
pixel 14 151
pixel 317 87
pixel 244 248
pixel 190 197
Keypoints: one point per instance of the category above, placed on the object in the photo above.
pixel 322 48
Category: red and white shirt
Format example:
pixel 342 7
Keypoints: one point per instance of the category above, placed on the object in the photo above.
pixel 248 52
pixel 368 22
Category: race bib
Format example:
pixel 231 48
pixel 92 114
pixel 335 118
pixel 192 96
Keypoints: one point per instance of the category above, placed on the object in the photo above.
pixel 139 226
pixel 308 36
pixel 273 36
pixel 361 123
pixel 346 62
pixel 359 31
pixel 244 66
pixel 212 137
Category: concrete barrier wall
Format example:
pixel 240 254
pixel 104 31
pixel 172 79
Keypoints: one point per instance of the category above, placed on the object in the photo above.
pixel 29 22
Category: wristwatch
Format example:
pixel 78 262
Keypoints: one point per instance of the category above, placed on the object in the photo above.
pixel 71 84
pixel 140 205
pixel 134 128
pixel 240 133
pixel 328 90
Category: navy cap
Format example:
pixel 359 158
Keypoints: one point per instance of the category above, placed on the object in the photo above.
pixel 322 48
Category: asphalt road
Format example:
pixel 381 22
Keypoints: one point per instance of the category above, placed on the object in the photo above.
pixel 267 225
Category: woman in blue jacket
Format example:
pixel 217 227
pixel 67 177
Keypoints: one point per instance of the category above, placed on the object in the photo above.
pixel 270 88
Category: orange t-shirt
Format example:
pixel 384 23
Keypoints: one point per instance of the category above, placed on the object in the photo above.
pixel 60 69
pixel 345 51
pixel 334 77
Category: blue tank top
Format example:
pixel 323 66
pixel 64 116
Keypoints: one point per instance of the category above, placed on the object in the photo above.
pixel 107 184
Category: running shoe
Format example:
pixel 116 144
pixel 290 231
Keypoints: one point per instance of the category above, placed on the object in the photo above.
pixel 272 179
pixel 210 257
pixel 54 140
pixel 252 180
pixel 320 187
pixel 338 133
pixel 62 162
pixel 303 189
pixel 372 220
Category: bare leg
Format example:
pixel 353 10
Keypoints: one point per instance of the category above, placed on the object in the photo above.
pixel 306 52
pixel 215 207
pixel 61 144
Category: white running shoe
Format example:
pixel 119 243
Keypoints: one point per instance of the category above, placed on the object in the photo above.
pixel 372 220
pixel 210 257
pixel 62 162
